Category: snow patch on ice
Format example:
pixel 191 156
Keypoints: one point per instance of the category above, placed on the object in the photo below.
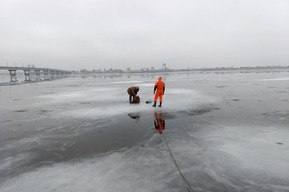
pixel 147 85
pixel 254 153
pixel 126 82
pixel 174 100
pixel 9 161
pixel 133 170
pixel 276 79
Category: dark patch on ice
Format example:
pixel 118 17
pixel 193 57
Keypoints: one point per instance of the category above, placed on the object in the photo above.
pixel 85 103
pixel 271 87
pixel 7 121
pixel 285 99
pixel 44 111
pixel 19 125
pixel 13 138
pixel 236 100
pixel 134 115
pixel 196 112
pixel 282 91
pixel 277 114
pixel 221 86
pixel 280 143
pixel 20 111
pixel 16 99
pixel 4 84
pixel 71 85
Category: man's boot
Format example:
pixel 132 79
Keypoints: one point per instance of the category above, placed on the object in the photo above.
pixel 154 105
pixel 160 104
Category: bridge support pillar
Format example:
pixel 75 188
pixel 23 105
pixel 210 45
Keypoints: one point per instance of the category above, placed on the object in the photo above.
pixel 46 74
pixel 57 73
pixel 37 73
pixel 27 74
pixel 13 76
pixel 52 73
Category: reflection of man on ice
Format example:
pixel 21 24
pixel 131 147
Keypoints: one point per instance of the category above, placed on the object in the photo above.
pixel 159 123
pixel 160 87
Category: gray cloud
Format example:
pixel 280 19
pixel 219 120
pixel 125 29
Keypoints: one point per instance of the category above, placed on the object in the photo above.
pixel 127 33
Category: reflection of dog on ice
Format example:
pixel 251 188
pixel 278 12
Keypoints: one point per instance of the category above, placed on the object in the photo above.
pixel 134 116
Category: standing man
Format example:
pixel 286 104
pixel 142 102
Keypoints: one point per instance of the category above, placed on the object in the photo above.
pixel 160 87
pixel 132 92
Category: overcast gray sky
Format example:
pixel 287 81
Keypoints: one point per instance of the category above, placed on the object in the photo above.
pixel 93 34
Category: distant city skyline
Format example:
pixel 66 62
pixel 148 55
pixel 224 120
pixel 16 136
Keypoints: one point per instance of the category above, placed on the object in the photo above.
pixel 93 34
pixel 148 69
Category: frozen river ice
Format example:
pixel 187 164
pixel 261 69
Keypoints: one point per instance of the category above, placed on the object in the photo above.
pixel 226 132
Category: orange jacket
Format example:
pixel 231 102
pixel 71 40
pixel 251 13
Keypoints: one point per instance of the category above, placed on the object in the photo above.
pixel 160 86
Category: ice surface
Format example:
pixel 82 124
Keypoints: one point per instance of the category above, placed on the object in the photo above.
pixel 254 153
pixel 227 132
pixel 276 79
pixel 114 100
pixel 137 169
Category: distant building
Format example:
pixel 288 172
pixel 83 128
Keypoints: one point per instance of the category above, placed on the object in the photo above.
pixel 113 71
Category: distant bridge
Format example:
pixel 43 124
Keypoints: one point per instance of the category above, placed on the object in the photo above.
pixel 32 68
pixel 47 73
